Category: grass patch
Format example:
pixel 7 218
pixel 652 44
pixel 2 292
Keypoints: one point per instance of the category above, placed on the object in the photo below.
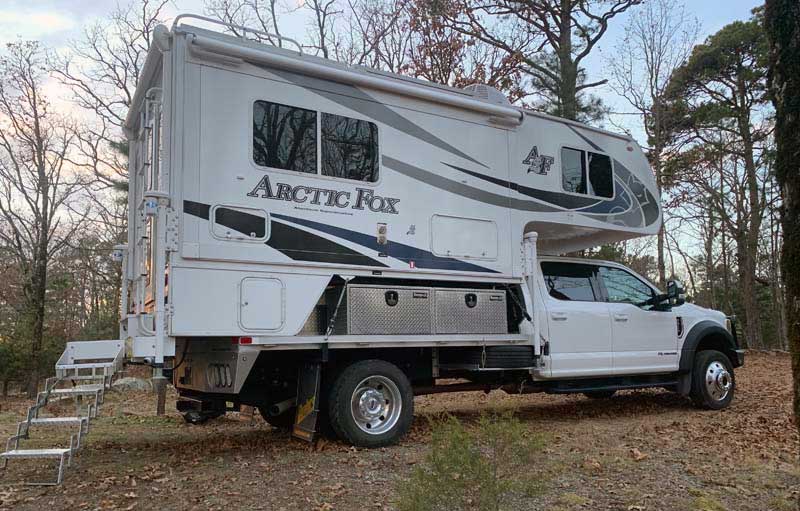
pixel 480 468
pixel 572 500
pixel 707 503
pixel 784 503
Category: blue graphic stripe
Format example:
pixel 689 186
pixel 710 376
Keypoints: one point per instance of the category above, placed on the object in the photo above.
pixel 421 258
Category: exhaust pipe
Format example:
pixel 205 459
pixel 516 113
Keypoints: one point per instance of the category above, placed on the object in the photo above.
pixel 278 408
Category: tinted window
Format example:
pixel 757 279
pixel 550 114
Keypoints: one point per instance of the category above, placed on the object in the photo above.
pixel 239 223
pixel 285 137
pixel 623 287
pixel 573 170
pixel 568 281
pixel 600 175
pixel 349 148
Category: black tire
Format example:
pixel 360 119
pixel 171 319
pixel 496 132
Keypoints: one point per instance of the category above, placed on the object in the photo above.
pixel 599 394
pixel 283 421
pixel 711 375
pixel 371 378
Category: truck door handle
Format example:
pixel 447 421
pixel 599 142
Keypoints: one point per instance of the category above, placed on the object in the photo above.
pixel 558 316
pixel 621 317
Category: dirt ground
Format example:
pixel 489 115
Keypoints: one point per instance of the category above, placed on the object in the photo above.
pixel 639 451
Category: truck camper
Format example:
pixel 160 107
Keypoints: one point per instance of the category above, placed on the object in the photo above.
pixel 324 242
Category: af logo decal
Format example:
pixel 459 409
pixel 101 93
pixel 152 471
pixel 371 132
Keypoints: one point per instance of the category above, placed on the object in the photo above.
pixel 538 164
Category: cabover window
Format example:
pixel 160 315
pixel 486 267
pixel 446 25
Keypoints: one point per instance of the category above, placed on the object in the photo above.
pixel 285 137
pixel 349 148
pixel 599 180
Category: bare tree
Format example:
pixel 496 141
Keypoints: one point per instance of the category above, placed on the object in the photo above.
pixel 443 55
pixel 374 33
pixel 102 69
pixel 36 186
pixel 259 15
pixel 552 38
pixel 322 32
pixel 658 38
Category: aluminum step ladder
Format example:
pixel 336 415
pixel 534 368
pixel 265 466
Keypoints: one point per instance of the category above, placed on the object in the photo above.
pixel 85 370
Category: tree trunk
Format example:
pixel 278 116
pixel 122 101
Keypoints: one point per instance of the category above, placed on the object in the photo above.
pixel 662 270
pixel 709 260
pixel 37 306
pixel 747 285
pixel 568 70
pixel 782 19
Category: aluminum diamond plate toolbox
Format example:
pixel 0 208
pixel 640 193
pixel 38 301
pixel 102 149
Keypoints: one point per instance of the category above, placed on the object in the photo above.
pixel 470 311
pixel 377 310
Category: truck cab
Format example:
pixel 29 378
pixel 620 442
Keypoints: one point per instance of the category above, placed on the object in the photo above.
pixel 605 321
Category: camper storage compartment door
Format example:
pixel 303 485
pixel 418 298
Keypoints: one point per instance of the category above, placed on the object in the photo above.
pixel 261 305
pixel 470 311
pixel 379 310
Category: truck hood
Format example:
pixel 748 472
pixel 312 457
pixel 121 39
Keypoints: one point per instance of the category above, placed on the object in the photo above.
pixel 697 313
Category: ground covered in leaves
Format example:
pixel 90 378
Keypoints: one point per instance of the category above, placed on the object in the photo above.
pixel 644 450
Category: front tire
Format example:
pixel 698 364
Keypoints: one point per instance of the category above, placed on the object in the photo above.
pixel 713 382
pixel 371 404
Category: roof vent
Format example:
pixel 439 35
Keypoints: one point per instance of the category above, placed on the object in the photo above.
pixel 487 93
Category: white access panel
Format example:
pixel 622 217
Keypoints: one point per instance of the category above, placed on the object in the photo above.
pixel 473 238
pixel 261 304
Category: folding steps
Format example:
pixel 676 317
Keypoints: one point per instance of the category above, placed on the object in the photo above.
pixel 89 368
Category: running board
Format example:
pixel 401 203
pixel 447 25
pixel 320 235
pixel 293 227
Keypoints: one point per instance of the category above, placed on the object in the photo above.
pixel 604 384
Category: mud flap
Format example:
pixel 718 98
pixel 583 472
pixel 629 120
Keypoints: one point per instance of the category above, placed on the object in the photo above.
pixel 305 422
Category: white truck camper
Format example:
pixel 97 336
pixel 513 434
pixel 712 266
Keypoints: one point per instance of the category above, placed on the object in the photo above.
pixel 324 242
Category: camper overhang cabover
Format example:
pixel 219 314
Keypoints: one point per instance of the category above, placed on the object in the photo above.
pixel 306 234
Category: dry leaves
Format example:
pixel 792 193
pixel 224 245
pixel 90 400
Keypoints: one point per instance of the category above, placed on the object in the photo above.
pixel 638 455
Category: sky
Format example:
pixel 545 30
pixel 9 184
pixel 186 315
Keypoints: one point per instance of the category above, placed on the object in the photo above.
pixel 55 22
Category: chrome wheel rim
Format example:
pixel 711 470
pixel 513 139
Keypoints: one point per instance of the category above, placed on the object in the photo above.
pixel 719 381
pixel 376 404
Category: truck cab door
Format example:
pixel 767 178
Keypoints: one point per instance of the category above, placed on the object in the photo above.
pixel 645 339
pixel 578 320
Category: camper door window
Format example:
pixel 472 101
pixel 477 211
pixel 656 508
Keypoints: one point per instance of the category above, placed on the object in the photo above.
pixel 598 181
pixel 285 137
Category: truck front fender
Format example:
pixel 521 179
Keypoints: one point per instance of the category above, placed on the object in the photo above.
pixel 709 335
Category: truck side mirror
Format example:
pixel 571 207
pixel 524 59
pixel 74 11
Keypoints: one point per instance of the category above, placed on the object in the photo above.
pixel 676 293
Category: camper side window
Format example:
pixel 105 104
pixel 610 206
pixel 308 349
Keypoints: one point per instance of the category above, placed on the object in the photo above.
pixel 349 148
pixel 573 170
pixel 598 181
pixel 284 137
pixel 601 177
